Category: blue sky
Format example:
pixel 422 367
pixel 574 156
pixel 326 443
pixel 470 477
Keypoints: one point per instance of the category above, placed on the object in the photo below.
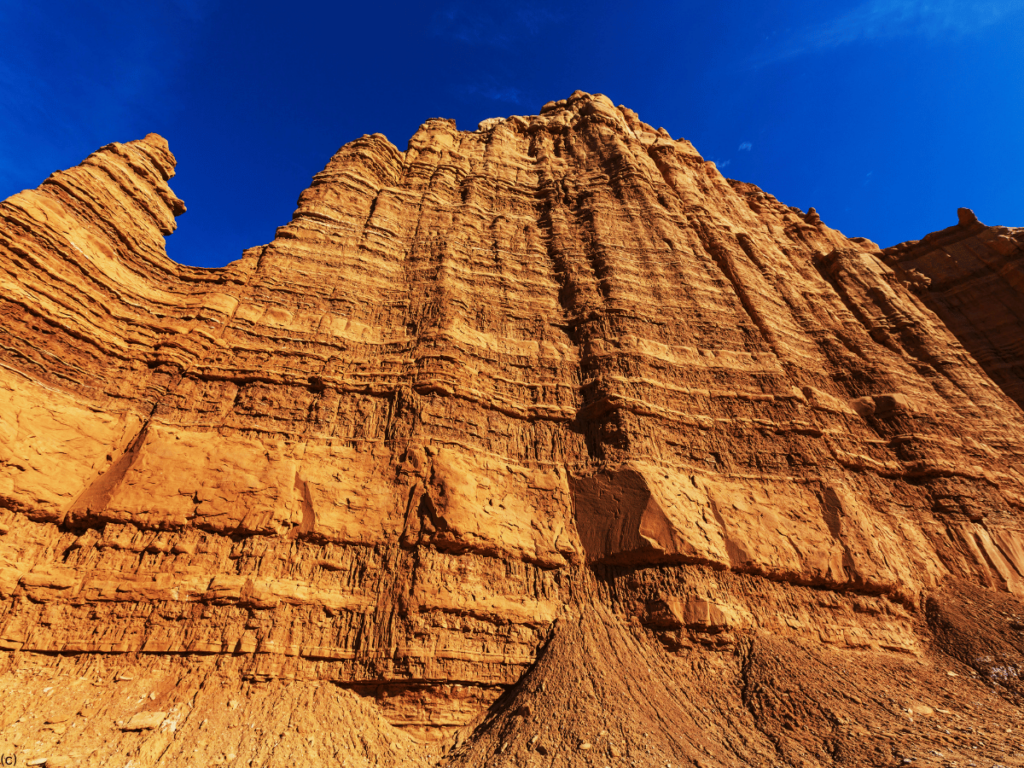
pixel 885 115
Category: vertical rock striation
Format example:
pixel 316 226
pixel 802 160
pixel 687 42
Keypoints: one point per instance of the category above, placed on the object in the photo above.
pixel 541 444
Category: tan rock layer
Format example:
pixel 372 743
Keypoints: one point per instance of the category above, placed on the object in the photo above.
pixel 554 389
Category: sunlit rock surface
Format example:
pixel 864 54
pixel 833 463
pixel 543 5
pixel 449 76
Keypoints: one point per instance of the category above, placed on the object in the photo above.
pixel 539 445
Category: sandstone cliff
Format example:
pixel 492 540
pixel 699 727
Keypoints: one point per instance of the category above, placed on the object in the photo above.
pixel 972 277
pixel 538 445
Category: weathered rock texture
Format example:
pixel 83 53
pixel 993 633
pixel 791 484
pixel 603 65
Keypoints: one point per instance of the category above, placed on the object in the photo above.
pixel 539 445
pixel 972 277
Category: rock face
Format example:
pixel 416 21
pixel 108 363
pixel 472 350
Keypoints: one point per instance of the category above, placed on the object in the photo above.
pixel 972 277
pixel 543 444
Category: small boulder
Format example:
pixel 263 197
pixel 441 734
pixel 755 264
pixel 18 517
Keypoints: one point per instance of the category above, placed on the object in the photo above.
pixel 144 721
pixel 966 217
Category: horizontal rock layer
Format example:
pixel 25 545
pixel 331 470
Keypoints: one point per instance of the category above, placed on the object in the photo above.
pixel 499 434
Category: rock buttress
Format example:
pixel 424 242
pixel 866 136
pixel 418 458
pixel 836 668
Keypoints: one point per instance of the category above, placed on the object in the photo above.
pixel 972 277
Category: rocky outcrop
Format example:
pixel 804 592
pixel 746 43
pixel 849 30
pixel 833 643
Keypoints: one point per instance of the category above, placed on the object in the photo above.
pixel 972 277
pixel 541 444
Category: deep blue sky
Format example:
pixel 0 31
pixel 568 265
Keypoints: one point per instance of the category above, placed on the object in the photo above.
pixel 886 115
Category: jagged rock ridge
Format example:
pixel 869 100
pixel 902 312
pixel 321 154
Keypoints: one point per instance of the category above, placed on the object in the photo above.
pixel 543 444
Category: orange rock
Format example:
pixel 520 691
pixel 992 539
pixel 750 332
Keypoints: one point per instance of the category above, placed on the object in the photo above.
pixel 516 436
pixel 972 277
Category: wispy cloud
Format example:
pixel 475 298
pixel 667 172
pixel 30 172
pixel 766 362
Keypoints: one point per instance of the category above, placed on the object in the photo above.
pixel 746 146
pixel 506 94
pixel 196 10
pixel 877 20
pixel 500 27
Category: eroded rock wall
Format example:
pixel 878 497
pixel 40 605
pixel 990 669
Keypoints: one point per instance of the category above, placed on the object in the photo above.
pixel 506 391
pixel 972 277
